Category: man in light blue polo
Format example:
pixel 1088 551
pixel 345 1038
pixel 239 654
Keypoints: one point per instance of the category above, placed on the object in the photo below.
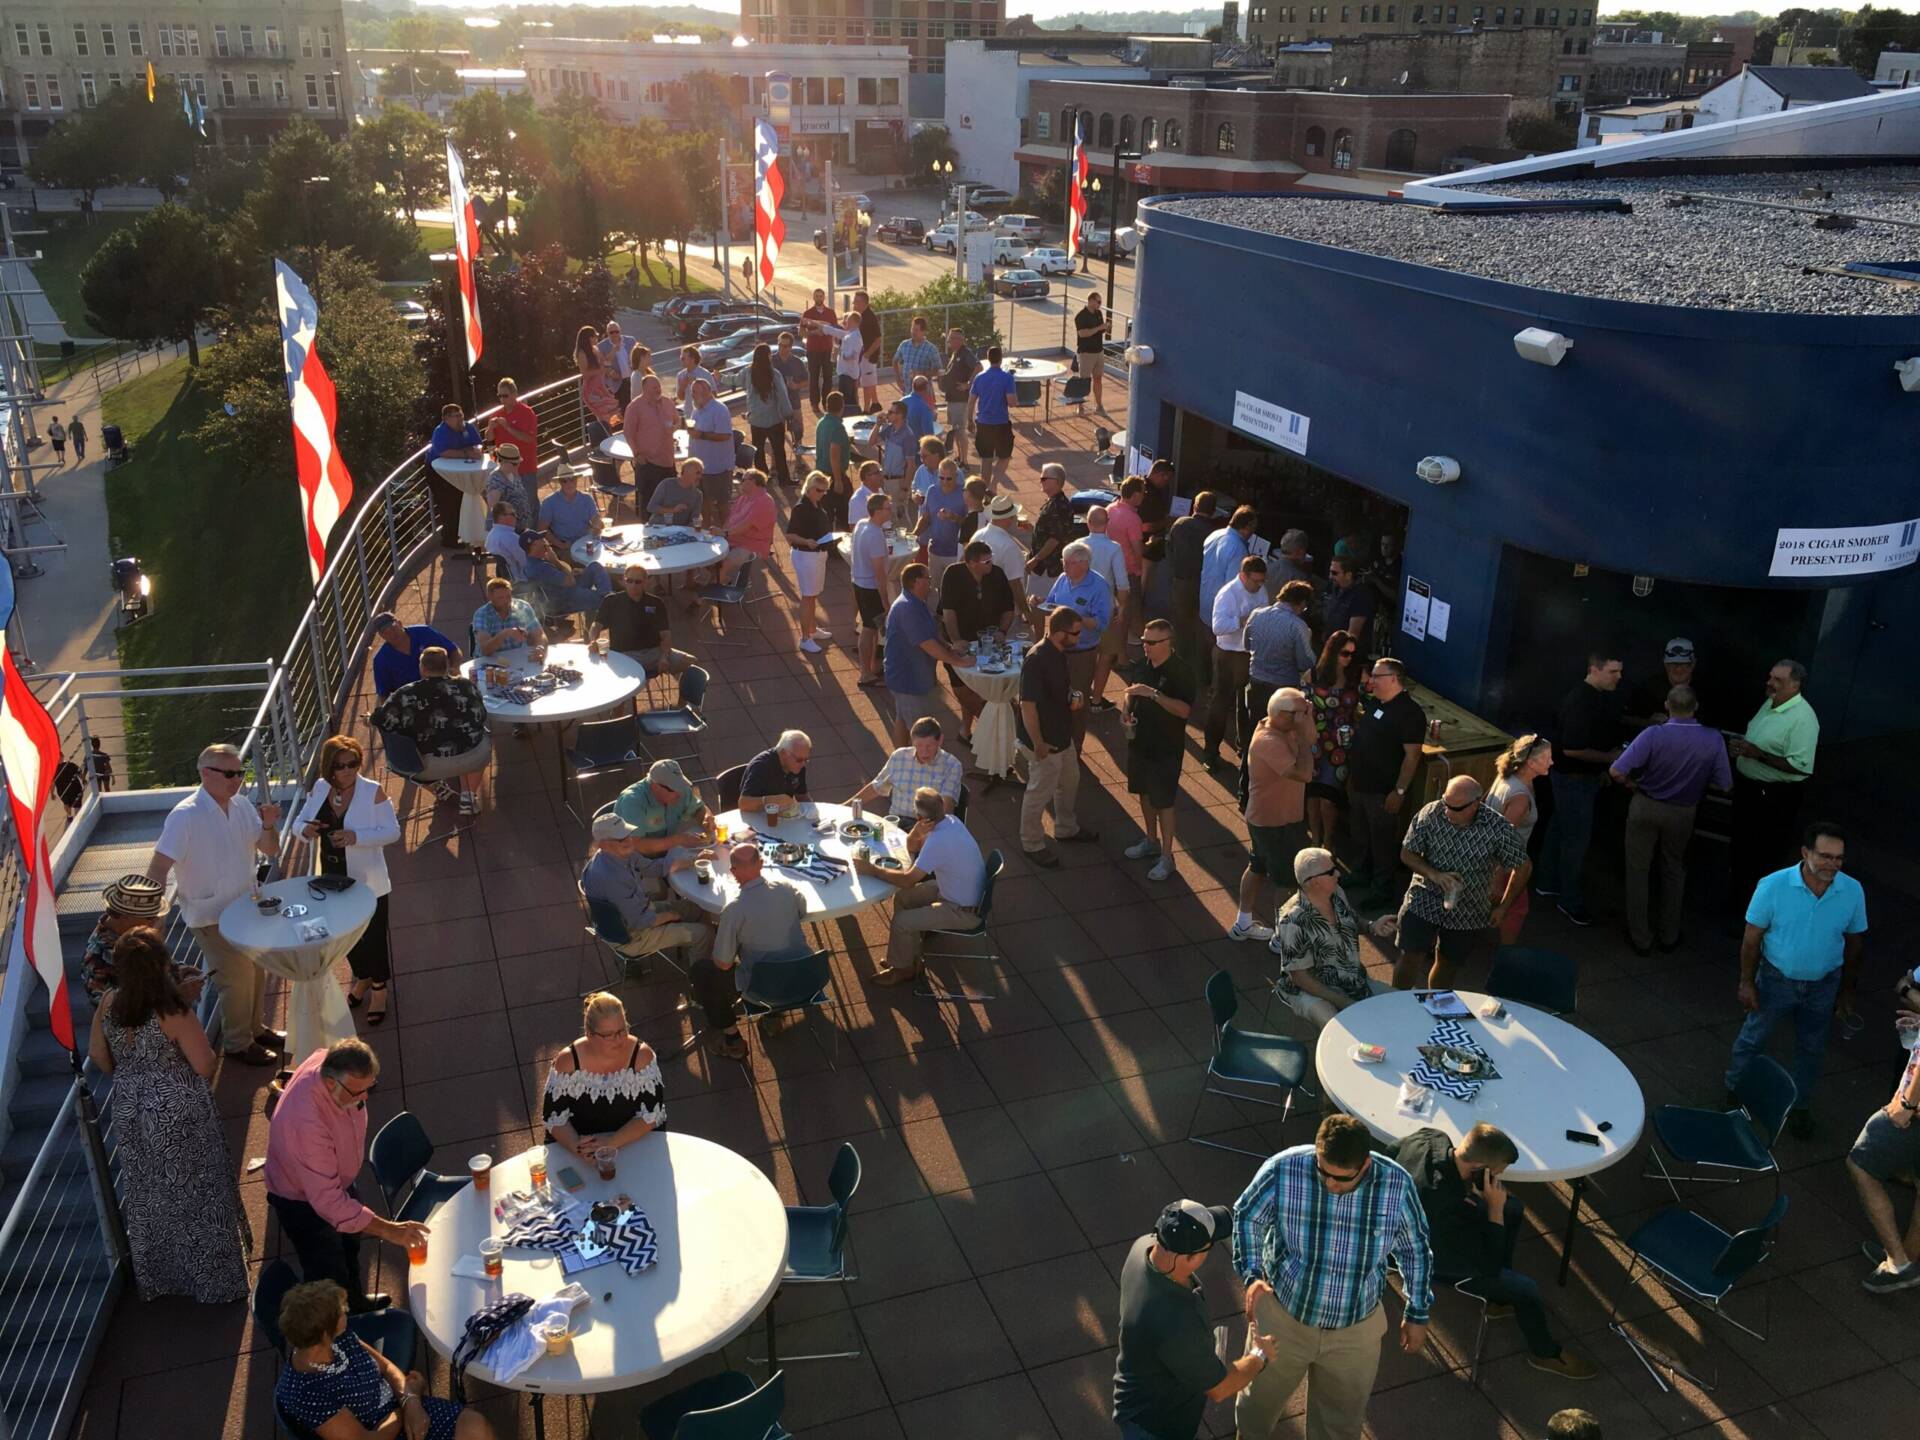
pixel 1085 592
pixel 1800 958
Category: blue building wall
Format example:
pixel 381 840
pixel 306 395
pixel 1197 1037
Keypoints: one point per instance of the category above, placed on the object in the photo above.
pixel 1670 442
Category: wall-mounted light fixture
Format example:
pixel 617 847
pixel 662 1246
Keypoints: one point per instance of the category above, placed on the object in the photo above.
pixel 1542 347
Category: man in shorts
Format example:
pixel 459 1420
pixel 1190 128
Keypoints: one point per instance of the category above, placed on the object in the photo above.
pixel 1156 703
pixel 1888 1149
pixel 1463 855
pixel 869 563
pixel 989 420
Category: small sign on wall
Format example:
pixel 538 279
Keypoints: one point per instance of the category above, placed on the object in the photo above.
pixel 1852 550
pixel 1275 424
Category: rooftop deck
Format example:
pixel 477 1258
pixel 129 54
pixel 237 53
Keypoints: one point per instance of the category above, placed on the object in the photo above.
pixel 1014 1150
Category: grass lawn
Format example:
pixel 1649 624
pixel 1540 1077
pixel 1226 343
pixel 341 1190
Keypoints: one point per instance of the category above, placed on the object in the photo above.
pixel 433 239
pixel 225 554
pixel 65 250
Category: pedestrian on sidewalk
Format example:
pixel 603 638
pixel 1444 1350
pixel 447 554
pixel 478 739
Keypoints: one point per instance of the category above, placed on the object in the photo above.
pixel 57 433
pixel 77 432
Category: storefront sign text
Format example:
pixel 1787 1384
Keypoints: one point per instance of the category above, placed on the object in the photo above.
pixel 1856 550
pixel 1275 424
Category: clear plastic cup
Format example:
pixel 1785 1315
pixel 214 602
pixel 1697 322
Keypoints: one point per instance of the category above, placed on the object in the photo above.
pixel 537 1167
pixel 481 1168
pixel 492 1253
pixel 557 1336
pixel 607 1162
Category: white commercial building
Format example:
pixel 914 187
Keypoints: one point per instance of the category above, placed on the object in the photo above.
pixel 849 101
pixel 1897 68
pixel 987 84
pixel 1769 89
pixel 1615 123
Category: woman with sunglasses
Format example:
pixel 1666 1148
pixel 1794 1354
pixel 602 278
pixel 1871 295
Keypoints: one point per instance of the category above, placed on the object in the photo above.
pixel 347 819
pixel 1334 693
pixel 1516 772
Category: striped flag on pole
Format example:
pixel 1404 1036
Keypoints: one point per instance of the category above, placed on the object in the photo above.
pixel 325 486
pixel 466 242
pixel 769 230
pixel 1077 187
pixel 30 753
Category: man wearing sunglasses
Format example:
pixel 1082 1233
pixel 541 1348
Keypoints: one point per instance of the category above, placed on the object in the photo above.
pixel 316 1144
pixel 1466 859
pixel 210 844
pixel 1311 1238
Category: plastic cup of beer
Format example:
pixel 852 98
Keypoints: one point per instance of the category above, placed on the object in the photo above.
pixel 721 830
pixel 557 1334
pixel 417 1250
pixel 607 1161
pixel 603 645
pixel 481 1168
pixel 537 1167
pixel 773 810
pixel 491 1250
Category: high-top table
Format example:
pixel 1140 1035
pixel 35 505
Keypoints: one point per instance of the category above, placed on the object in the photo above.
pixel 470 478
pixel 994 741
pixel 317 1013
pixel 722 1234
pixel 617 447
pixel 1554 1077
pixel 604 684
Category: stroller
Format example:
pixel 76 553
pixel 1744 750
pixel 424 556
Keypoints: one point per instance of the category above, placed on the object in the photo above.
pixel 118 451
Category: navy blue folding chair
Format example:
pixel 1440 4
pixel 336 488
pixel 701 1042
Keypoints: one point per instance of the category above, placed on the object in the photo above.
pixel 800 985
pixel 1736 1142
pixel 1701 1263
pixel 721 1407
pixel 681 719
pixel 1544 979
pixel 817 1243
pixel 1247 1058
pixel 737 598
pixel 399 1156
pixel 602 747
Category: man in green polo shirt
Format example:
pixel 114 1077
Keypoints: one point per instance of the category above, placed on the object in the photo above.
pixel 1772 763
pixel 1800 961
pixel 664 810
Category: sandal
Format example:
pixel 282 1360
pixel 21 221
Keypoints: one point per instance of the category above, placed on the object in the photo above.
pixel 376 1017
pixel 354 1002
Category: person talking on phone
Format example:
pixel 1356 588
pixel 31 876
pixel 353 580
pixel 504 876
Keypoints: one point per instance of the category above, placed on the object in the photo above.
pixel 1473 1224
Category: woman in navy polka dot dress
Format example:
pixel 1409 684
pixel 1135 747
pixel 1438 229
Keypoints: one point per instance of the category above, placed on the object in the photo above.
pixel 337 1386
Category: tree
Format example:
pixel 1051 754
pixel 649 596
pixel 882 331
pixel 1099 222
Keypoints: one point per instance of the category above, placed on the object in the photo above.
pixel 929 147
pixel 74 156
pixel 405 153
pixel 503 141
pixel 123 140
pixel 1538 131
pixel 566 211
pixel 155 279
pixel 369 357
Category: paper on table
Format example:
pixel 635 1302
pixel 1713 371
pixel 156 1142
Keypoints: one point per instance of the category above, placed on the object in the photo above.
pixel 1437 618
pixel 470 1267
pixel 1443 1004
pixel 1259 545
pixel 1179 505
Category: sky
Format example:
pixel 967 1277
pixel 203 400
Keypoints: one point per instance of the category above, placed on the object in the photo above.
pixel 1045 9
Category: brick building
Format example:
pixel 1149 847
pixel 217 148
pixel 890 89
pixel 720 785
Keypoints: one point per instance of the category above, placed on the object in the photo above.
pixel 1534 65
pixel 1626 61
pixel 1217 137
pixel 922 26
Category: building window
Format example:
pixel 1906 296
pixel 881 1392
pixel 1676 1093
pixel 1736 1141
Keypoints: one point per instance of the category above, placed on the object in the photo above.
pixel 1566 47
pixel 226 90
pixel 79 38
pixel 836 90
pixel 1103 133
pixel 816 90
pixel 326 42
pixel 1343 149
pixel 1043 125
pixel 909 29
pixel 113 82
pixel 1540 15
pixel 136 44
pixel 1393 14
pixel 1553 17
pixel 1583 47
pixel 1068 130
pixel 253 88
pixel 1316 141
pixel 1586 17
pixel 1126 132
pixel 220 46
pixel 331 88
pixel 306 43
pixel 1346 14
pixel 53 92
pixel 1170 137
pixel 1400 147
pixel 962 29
pixel 46 39
pixel 1499 14
pixel 22 39
pixel 890 91
pixel 882 29
pixel 246 39
pixel 1148 133
pixel 1376 14
pixel 88 96
pixel 936 67
pixel 829 30
pixel 1223 139
pixel 1419 13
pixel 187 43
pixel 33 91
pixel 280 90
pixel 936 29
pixel 166 40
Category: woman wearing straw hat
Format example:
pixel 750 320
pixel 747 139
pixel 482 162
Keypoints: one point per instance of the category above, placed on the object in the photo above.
pixel 133 903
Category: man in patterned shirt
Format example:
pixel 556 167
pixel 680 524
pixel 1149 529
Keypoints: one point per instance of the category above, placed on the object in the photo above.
pixel 446 718
pixel 1465 859
pixel 920 764
pixel 1052 529
pixel 1311 1237
pixel 504 623
pixel 915 356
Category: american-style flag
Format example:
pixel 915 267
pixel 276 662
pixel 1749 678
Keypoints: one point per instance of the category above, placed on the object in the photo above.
pixel 466 243
pixel 1077 186
pixel 325 486
pixel 769 230
pixel 30 753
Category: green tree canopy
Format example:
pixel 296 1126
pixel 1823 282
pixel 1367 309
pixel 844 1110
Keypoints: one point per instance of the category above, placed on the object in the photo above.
pixel 123 140
pixel 404 153
pixel 155 279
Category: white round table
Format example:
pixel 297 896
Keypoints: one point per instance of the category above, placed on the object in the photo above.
pixel 317 1013
pixel 1117 444
pixel 1043 372
pixel 723 1249
pixel 1554 1077
pixel 902 546
pixel 603 685
pixel 470 478
pixel 672 560
pixel 994 742
pixel 617 447
pixel 829 900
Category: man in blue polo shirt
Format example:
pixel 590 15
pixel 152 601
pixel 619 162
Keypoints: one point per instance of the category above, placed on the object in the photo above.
pixel 988 419
pixel 1085 592
pixel 914 649
pixel 397 661
pixel 1800 958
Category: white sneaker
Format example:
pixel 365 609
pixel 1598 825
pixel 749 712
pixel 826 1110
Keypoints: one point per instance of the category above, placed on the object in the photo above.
pixel 1142 849
pixel 1250 930
pixel 808 646
pixel 1163 870
pixel 823 635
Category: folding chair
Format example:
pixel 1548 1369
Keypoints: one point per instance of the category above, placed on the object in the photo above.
pixel 817 1242
pixel 1247 1057
pixel 996 862
pixel 399 1156
pixel 721 1407
pixel 391 1332
pixel 1075 389
pixel 607 482
pixel 1736 1140
pixel 602 747
pixel 683 719
pixel 1699 1262
pixel 785 987
pixel 1544 979
pixel 403 758
pixel 728 782
pixel 737 596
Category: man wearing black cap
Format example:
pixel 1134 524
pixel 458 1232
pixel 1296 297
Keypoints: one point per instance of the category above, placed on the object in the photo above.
pixel 1167 1369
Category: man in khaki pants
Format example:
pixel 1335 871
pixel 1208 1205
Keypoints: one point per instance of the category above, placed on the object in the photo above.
pixel 1311 1238
pixel 1046 730
pixel 208 844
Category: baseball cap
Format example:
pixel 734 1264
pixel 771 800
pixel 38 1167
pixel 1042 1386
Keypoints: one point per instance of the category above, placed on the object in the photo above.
pixel 383 620
pixel 611 827
pixel 1186 1227
pixel 1679 651
pixel 669 774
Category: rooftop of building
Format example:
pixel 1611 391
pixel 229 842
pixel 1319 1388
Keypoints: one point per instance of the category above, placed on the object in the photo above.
pixel 1811 84
pixel 1711 254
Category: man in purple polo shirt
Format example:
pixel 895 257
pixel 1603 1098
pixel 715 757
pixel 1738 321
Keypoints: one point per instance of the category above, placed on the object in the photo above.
pixel 1670 767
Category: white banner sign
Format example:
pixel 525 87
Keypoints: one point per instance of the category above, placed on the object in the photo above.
pixel 1273 423
pixel 1857 550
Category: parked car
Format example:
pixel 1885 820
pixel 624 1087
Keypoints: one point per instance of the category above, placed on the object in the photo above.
pixel 739 345
pixel 944 237
pixel 975 220
pixel 988 197
pixel 901 229
pixel 1008 251
pixel 722 326
pixel 1050 260
pixel 412 313
pixel 861 200
pixel 1093 239
pixel 1020 283
pixel 698 313
pixel 1021 227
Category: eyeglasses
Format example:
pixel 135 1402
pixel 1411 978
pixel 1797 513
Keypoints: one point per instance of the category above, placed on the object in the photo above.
pixel 1456 809
pixel 359 1097
pixel 611 1034
pixel 1156 640
pixel 1348 654
pixel 1335 1177
pixel 216 770
pixel 634 580
pixel 1318 875
pixel 346 765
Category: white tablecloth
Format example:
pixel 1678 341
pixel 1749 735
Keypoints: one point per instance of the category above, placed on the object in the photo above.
pixel 994 743
pixel 847 895
pixel 604 684
pixel 617 447
pixel 723 1248
pixel 470 478
pixel 317 1013
pixel 674 560
pixel 902 546
pixel 1554 1077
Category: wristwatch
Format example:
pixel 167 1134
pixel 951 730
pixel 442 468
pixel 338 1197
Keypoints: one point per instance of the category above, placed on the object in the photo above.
pixel 1399 789
pixel 1909 1106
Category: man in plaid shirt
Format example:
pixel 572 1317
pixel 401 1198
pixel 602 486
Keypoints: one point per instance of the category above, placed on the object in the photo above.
pixel 1311 1237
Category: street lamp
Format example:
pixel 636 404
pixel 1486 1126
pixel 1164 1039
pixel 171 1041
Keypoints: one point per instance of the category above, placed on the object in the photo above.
pixel 1113 206
pixel 957 199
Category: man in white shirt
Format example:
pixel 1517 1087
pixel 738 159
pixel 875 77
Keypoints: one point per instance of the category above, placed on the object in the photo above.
pixel 1110 563
pixel 941 892
pixel 872 588
pixel 210 844
pixel 1237 600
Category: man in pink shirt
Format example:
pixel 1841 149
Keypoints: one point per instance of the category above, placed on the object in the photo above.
pixel 316 1144
pixel 750 525
pixel 1124 529
pixel 649 422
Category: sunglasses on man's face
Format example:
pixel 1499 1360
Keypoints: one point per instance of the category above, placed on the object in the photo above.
pixel 1334 1177
pixel 217 770
pixel 1457 809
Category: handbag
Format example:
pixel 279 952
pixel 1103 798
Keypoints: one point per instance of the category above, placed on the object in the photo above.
pixel 484 1326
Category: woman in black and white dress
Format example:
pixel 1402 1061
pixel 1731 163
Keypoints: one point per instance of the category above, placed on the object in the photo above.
pixel 604 1090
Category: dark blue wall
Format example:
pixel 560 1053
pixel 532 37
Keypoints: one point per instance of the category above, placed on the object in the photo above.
pixel 1670 442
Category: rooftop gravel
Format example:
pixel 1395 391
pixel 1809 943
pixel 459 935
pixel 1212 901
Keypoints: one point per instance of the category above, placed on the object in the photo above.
pixel 1711 256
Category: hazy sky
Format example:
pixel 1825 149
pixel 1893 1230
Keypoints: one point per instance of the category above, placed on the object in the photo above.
pixel 1044 9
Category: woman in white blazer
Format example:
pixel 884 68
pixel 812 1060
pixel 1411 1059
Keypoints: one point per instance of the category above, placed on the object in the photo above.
pixel 348 818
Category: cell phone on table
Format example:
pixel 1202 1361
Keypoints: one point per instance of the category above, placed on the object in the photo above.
pixel 569 1177
pixel 1584 1138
